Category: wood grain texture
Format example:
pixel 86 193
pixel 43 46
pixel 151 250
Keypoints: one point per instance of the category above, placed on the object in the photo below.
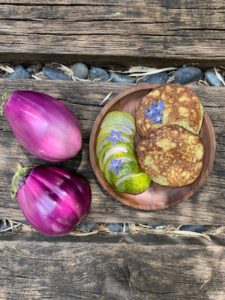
pixel 186 30
pixel 136 268
pixel 206 207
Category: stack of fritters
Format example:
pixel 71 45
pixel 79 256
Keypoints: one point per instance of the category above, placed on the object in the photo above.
pixel 170 150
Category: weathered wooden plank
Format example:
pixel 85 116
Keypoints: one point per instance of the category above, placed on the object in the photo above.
pixel 111 29
pixel 192 4
pixel 206 207
pixel 69 268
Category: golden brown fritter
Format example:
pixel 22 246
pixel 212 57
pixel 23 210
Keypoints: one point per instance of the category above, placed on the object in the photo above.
pixel 172 156
pixel 181 107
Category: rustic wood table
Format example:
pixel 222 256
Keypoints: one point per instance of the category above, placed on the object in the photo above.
pixel 138 266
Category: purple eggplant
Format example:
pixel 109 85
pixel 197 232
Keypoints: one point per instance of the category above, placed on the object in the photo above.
pixel 52 200
pixel 44 126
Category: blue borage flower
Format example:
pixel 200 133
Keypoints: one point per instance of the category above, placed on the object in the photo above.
pixel 115 165
pixel 115 137
pixel 155 112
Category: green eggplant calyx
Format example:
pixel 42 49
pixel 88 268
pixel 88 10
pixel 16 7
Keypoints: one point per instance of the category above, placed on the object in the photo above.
pixel 4 98
pixel 19 178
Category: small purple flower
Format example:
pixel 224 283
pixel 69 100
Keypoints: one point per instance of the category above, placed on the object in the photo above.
pixel 115 165
pixel 155 112
pixel 115 137
pixel 161 105
pixel 157 118
pixel 154 104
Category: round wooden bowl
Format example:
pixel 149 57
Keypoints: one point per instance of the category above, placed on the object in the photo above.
pixel 157 196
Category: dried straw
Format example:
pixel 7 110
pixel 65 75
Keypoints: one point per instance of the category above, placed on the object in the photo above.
pixel 6 68
pixel 106 98
pixel 141 71
pixel 219 76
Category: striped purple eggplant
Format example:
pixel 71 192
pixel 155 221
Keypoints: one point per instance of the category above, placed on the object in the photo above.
pixel 44 126
pixel 52 200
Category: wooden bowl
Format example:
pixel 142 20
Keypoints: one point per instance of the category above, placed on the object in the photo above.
pixel 157 196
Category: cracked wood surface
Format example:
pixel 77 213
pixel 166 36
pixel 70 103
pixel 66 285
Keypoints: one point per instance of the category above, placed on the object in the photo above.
pixel 206 207
pixel 185 30
pixel 126 267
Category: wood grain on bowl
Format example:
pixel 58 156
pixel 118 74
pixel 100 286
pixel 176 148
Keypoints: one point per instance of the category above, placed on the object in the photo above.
pixel 157 196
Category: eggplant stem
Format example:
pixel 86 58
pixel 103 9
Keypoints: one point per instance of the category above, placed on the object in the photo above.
pixel 3 100
pixel 18 179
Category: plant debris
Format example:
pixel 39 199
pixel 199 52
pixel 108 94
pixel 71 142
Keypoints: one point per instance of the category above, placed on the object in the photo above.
pixel 106 98
pixel 83 229
pixel 136 72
